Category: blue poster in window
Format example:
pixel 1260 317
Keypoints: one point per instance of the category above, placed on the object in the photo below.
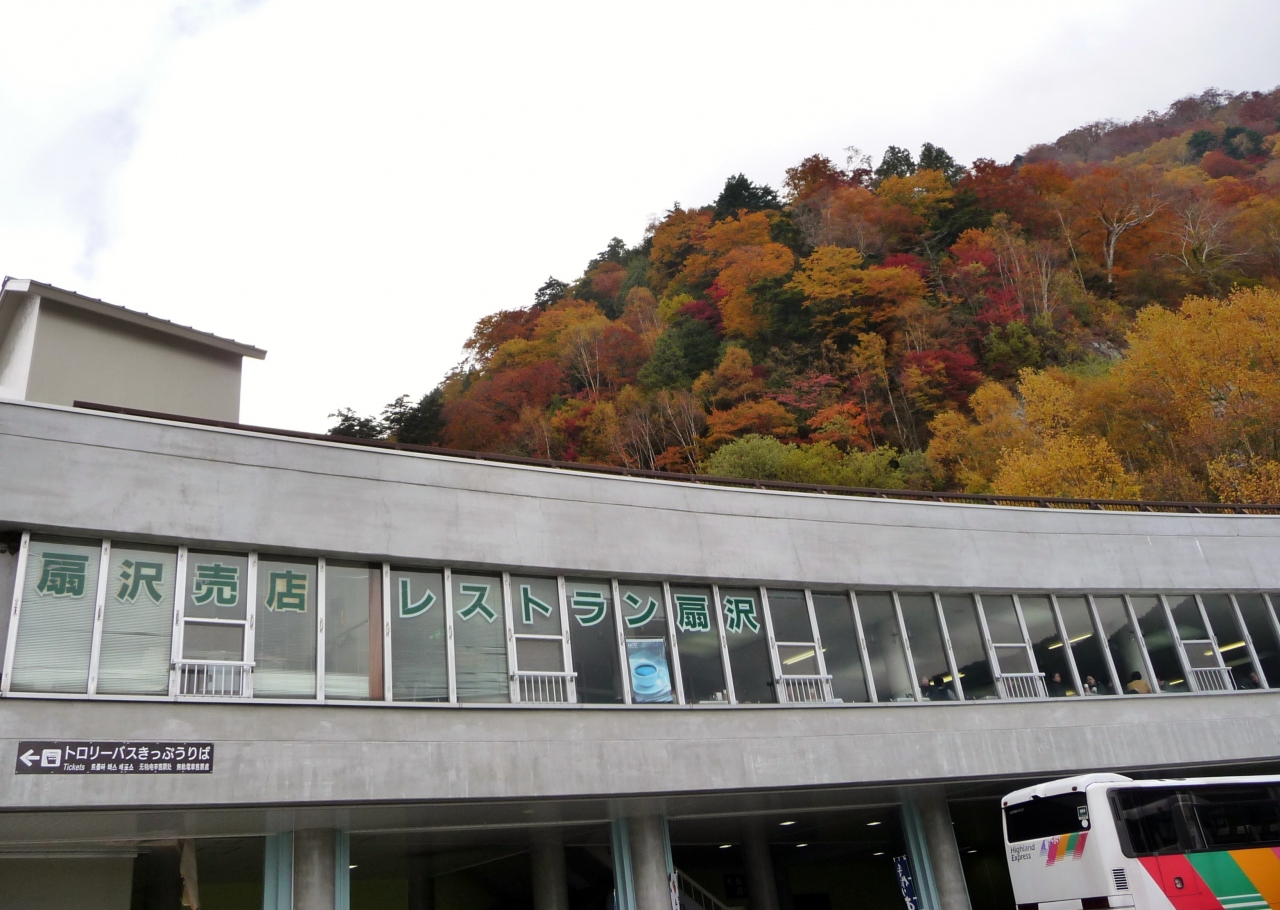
pixel 905 883
pixel 650 675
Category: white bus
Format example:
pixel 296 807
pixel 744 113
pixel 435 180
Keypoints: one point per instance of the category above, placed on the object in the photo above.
pixel 1104 840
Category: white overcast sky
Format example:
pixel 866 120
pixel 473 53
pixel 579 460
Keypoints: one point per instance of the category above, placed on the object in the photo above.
pixel 351 185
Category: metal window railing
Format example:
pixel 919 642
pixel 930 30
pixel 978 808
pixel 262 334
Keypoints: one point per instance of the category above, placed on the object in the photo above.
pixel 213 678
pixel 691 891
pixel 1213 679
pixel 1022 685
pixel 543 687
pixel 803 690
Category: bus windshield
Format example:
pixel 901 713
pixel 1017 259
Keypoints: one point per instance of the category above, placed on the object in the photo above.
pixel 1160 820
pixel 1066 813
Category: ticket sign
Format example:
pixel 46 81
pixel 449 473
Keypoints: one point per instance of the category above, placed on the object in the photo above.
pixel 135 757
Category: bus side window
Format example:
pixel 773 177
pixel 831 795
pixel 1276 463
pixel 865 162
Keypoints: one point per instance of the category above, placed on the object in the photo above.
pixel 1148 817
pixel 1238 816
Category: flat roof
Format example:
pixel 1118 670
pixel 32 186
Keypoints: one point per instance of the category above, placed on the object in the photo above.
pixel 25 286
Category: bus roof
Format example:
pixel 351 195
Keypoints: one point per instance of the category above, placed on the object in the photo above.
pixel 1060 786
pixel 1083 781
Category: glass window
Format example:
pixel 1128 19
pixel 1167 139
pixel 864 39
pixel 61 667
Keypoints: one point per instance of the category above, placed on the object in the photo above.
pixel 535 605
pixel 1191 629
pixel 748 645
pixel 967 646
pixel 1086 646
pixel 1047 817
pixel 352 630
pixel 1046 644
pixel 698 639
pixel 1230 638
pixel 137 622
pixel 1122 643
pixel 1158 637
pixel 889 668
pixel 55 627
pixel 594 637
pixel 933 674
pixel 215 606
pixel 839 646
pixel 1002 619
pixel 644 625
pixel 789 613
pixel 480 639
pixel 285 643
pixel 207 641
pixel 419 645
pixel 1262 632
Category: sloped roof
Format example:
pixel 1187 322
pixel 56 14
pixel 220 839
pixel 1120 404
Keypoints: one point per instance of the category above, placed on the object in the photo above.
pixel 24 286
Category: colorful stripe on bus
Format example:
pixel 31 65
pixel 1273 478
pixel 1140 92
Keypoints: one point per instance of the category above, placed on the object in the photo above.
pixel 1229 880
pixel 1056 849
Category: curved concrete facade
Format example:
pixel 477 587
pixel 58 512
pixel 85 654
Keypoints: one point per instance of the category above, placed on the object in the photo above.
pixel 120 476
pixel 391 767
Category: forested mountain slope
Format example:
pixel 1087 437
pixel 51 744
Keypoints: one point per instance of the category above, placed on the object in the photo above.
pixel 1099 317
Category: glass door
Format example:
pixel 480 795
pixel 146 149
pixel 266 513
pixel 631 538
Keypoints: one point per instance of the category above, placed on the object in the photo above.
pixel 1197 644
pixel 214 651
pixel 542 674
pixel 801 666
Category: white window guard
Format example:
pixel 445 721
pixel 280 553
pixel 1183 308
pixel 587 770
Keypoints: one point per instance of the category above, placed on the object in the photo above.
pixel 801 690
pixel 213 678
pixel 1213 679
pixel 543 687
pixel 1021 685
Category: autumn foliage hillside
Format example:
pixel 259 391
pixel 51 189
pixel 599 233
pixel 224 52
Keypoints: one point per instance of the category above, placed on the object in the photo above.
pixel 1099 317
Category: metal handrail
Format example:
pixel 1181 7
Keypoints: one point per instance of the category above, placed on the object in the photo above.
pixel 549 687
pixel 808 688
pixel 705 899
pixel 1044 502
pixel 1213 679
pixel 1022 685
pixel 214 678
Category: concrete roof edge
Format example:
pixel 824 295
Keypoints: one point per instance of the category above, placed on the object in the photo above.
pixel 134 317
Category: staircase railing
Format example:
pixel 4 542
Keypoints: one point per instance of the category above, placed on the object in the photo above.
pixel 698 894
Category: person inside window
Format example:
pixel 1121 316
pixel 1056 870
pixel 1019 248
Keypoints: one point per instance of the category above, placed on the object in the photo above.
pixel 1057 688
pixel 1251 681
pixel 1090 686
pixel 1137 685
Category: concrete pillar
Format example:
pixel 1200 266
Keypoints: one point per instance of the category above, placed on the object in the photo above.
pixel 762 886
pixel 944 855
pixel 649 862
pixel 314 852
pixel 422 890
pixel 550 889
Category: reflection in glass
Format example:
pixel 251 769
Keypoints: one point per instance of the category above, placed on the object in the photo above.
pixel 698 640
pixel 55 629
pixel 1262 632
pixel 352 605
pixel 644 626
pixel 1122 643
pixel 285 640
pixel 748 644
pixel 480 639
pixel 933 673
pixel 1046 643
pixel 888 660
pixel 419 645
pixel 840 646
pixel 593 635
pixel 961 615
pixel 1158 637
pixel 1086 646
pixel 1002 619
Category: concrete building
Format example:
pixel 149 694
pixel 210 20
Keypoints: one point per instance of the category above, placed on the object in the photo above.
pixel 289 672
pixel 60 347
